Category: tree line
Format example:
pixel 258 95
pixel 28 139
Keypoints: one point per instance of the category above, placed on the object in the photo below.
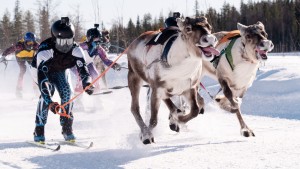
pixel 280 17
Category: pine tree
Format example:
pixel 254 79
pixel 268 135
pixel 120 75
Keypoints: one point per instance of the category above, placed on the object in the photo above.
pixel 7 30
pixel 79 33
pixel 45 31
pixel 196 8
pixel 18 31
pixel 138 26
pixel 29 22
pixel 130 31
pixel 46 7
pixel 147 21
pixel 161 20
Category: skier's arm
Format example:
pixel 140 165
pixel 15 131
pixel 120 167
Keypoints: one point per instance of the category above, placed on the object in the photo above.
pixel 43 58
pixel 9 51
pixel 82 69
pixel 43 82
pixel 103 56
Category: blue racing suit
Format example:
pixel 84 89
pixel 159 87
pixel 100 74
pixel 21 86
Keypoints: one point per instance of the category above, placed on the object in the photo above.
pixel 51 68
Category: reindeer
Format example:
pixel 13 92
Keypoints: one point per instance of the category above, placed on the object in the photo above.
pixel 194 43
pixel 237 73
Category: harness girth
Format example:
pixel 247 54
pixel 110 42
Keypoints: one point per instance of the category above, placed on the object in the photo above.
pixel 227 52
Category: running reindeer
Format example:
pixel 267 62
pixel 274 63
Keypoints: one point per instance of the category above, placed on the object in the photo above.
pixel 235 68
pixel 193 43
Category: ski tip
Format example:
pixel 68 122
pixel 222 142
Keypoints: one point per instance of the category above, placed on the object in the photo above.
pixel 91 144
pixel 57 148
pixel 101 93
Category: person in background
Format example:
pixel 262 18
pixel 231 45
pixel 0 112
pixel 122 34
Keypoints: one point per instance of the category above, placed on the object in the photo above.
pixel 171 28
pixel 55 55
pixel 24 50
pixel 92 48
pixel 171 21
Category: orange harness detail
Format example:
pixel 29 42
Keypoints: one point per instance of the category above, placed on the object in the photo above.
pixel 228 36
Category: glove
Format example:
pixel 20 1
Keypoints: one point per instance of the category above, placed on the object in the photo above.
pixel 90 90
pixel 52 106
pixel 116 67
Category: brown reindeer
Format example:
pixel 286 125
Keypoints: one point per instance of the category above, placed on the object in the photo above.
pixel 237 73
pixel 180 77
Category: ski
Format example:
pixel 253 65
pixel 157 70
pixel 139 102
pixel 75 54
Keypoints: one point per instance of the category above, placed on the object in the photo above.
pixel 77 144
pixel 105 92
pixel 53 147
pixel 121 87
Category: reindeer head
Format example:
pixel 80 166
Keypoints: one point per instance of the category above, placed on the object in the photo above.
pixel 254 37
pixel 198 31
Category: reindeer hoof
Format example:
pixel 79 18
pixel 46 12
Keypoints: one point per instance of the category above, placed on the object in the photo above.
pixel 147 141
pixel 201 111
pixel 147 138
pixel 174 127
pixel 247 133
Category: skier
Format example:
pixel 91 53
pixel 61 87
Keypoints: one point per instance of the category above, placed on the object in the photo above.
pixel 55 55
pixel 171 21
pixel 92 48
pixel 24 50
pixel 171 28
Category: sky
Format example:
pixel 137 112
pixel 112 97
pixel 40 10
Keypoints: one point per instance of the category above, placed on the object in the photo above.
pixel 210 141
pixel 110 10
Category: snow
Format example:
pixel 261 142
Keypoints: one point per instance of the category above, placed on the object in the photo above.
pixel 212 140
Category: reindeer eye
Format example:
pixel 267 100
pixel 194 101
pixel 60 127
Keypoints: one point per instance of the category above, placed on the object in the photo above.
pixel 188 28
pixel 264 34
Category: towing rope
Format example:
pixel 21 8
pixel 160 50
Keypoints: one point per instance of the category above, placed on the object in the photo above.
pixel 62 107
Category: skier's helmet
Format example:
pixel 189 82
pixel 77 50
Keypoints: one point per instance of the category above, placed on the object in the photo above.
pixel 171 21
pixel 93 34
pixel 176 14
pixel 29 40
pixel 63 33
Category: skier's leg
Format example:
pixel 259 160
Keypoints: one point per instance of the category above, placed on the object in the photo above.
pixel 94 74
pixel 19 87
pixel 41 117
pixel 100 68
pixel 63 87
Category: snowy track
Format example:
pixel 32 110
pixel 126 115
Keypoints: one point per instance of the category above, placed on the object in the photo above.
pixel 211 140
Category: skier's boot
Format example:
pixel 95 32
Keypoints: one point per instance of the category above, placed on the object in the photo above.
pixel 67 131
pixel 38 135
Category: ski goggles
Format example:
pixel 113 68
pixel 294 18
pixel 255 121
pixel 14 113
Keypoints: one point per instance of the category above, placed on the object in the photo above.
pixel 29 42
pixel 96 39
pixel 64 45
pixel 62 42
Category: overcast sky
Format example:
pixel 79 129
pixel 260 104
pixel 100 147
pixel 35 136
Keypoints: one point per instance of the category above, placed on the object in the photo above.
pixel 110 10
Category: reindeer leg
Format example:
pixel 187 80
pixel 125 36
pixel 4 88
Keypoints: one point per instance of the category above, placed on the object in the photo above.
pixel 245 130
pixel 154 106
pixel 173 117
pixel 194 101
pixel 134 85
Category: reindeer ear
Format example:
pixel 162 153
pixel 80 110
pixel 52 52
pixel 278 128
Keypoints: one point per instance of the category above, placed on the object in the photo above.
pixel 260 24
pixel 242 28
pixel 180 24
